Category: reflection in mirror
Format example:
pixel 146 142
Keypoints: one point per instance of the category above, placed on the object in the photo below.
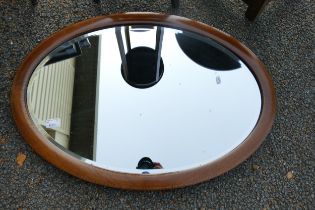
pixel 144 99
pixel 68 50
pixel 207 52
pixel 142 66
pixel 66 77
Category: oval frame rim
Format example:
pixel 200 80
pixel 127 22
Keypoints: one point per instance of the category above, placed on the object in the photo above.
pixel 72 165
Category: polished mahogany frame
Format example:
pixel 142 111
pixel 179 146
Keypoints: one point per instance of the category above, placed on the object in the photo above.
pixel 50 152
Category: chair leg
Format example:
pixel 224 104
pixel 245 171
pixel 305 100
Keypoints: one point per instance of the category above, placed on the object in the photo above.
pixel 34 2
pixel 175 4
pixel 255 7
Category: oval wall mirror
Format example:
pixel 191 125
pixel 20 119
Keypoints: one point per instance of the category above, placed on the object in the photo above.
pixel 143 101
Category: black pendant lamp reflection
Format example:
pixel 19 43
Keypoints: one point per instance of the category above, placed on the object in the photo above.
pixel 142 67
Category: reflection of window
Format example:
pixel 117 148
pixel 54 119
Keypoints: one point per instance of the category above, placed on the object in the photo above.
pixel 50 98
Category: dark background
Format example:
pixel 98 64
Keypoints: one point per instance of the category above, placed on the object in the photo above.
pixel 283 38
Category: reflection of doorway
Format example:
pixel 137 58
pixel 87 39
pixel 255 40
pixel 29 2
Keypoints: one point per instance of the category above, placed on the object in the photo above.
pixel 84 94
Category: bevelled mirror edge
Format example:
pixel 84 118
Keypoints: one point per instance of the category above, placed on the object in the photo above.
pixel 130 181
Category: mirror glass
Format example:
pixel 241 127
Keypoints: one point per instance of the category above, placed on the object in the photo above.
pixel 144 99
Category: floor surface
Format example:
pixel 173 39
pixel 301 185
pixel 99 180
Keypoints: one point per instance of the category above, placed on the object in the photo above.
pixel 280 175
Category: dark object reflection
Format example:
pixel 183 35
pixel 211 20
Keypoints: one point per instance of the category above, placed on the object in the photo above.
pixel 207 52
pixel 147 163
pixel 142 67
pixel 68 50
pixel 142 64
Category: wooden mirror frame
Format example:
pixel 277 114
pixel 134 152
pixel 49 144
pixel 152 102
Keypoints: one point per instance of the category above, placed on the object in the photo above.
pixel 74 166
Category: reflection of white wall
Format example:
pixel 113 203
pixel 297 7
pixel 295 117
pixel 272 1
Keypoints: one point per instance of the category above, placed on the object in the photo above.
pixel 191 117
pixel 50 97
